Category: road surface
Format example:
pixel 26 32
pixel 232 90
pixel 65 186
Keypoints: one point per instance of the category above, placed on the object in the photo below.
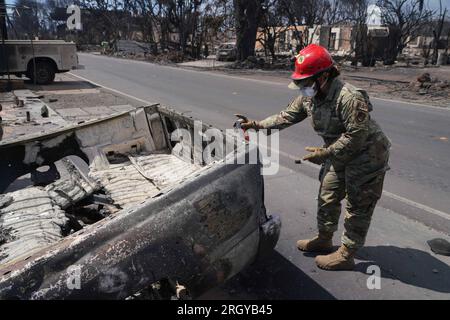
pixel 415 206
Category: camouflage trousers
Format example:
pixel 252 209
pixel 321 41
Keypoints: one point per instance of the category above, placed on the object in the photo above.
pixel 361 184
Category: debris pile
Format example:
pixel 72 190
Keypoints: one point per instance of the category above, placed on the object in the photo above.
pixel 425 84
pixel 171 56
pixel 162 58
pixel 261 63
pixel 425 88
pixel 133 47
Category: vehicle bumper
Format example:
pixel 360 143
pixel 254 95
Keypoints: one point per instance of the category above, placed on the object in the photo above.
pixel 268 236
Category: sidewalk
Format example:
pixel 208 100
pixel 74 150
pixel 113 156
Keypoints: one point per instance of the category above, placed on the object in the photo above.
pixel 206 64
pixel 399 74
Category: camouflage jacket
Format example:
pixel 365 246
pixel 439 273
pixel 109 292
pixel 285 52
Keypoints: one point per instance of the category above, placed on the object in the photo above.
pixel 342 119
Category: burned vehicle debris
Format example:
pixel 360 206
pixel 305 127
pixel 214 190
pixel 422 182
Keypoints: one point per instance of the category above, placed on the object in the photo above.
pixel 117 203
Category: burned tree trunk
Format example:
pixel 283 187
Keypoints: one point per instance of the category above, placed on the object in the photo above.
pixel 394 46
pixel 247 14
pixel 363 46
pixel 438 28
pixel 3 20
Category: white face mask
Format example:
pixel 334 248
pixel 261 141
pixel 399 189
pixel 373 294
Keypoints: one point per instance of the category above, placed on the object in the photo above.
pixel 308 91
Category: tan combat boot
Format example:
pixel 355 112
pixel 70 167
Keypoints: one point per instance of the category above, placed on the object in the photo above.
pixel 342 259
pixel 321 243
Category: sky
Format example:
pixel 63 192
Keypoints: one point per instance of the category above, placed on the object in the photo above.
pixel 433 4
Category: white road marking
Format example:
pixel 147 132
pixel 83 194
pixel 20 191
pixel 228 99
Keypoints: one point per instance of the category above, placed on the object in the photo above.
pixel 386 193
pixel 111 89
pixel 417 205
pixel 218 75
pixel 412 103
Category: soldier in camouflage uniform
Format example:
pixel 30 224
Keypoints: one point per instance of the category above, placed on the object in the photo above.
pixel 354 157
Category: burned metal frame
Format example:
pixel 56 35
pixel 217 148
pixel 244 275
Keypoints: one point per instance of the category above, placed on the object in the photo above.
pixel 200 233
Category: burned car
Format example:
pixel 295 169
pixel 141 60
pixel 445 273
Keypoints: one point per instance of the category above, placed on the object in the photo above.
pixel 227 52
pixel 114 205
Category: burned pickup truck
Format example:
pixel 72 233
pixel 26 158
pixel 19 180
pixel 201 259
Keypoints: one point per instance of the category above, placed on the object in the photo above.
pixel 111 206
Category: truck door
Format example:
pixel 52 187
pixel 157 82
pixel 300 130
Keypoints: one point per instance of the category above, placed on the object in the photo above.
pixel 8 58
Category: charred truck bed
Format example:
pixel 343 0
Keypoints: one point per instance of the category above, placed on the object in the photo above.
pixel 121 205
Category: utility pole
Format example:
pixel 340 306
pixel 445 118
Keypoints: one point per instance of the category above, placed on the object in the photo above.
pixel 4 34
pixel 4 31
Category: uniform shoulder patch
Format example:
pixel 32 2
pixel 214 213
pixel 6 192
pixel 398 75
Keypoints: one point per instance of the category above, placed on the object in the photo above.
pixel 358 97
pixel 361 116
pixel 360 109
pixel 362 105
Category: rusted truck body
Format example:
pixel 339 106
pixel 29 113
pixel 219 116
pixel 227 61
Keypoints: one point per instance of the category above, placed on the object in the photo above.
pixel 38 60
pixel 123 206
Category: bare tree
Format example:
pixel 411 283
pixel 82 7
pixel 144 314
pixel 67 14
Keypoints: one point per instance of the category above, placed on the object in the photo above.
pixel 106 20
pixel 355 12
pixel 405 19
pixel 191 20
pixel 438 29
pixel 342 11
pixel 3 18
pixel 146 11
pixel 312 13
pixel 215 17
pixel 247 17
pixel 25 18
pixel 183 18
pixel 273 26
pixel 289 11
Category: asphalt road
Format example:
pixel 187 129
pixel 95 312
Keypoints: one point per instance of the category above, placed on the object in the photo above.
pixel 417 187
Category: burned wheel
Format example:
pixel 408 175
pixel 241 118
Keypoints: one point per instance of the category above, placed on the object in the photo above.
pixel 45 72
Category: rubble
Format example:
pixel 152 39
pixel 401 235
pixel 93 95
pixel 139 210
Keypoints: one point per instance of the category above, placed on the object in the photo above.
pixel 133 47
pixel 161 58
pixel 261 63
pixel 440 246
pixel 23 114
pixel 425 77
pixel 143 51
pixel 426 85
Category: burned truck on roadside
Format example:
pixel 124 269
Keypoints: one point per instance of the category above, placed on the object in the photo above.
pixel 122 206
pixel 38 60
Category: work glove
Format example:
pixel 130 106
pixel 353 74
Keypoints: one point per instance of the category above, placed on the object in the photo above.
pixel 318 155
pixel 246 124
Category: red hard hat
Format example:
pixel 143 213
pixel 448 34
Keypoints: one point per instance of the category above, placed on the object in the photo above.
pixel 310 61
